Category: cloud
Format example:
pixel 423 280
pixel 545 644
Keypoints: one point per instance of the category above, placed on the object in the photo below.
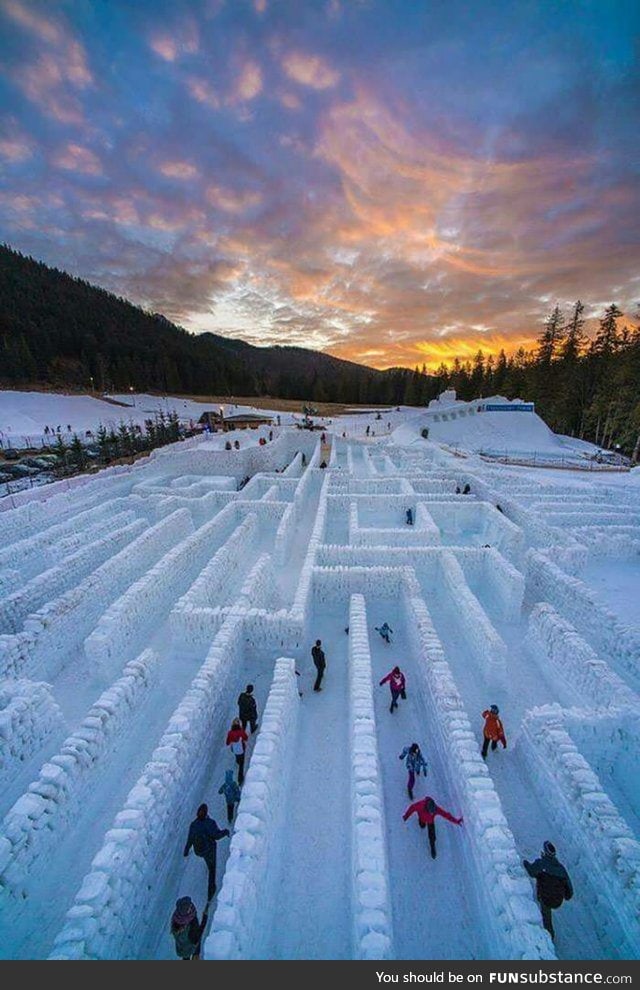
pixel 182 39
pixel 178 170
pixel 76 158
pixel 203 92
pixel 232 201
pixel 309 70
pixel 248 83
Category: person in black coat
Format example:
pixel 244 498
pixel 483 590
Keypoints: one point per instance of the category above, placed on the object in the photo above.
pixel 553 885
pixel 247 708
pixel 320 663
pixel 203 835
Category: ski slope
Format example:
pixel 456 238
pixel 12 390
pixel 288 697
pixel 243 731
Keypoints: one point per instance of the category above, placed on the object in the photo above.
pixel 135 607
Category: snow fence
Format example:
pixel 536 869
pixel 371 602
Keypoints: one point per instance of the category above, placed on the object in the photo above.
pixel 588 823
pixel 514 926
pixel 53 632
pixel 235 932
pixel 372 923
pixel 557 642
pixel 29 715
pixel 39 817
pixel 582 606
pixel 138 850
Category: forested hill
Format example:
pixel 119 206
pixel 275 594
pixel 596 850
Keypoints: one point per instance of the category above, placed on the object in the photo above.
pixel 61 331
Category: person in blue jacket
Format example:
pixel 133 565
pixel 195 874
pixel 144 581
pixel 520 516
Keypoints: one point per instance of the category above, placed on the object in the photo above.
pixel 203 835
pixel 415 762
pixel 231 793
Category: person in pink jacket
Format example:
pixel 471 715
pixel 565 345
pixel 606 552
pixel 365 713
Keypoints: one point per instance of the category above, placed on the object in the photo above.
pixel 397 684
pixel 427 811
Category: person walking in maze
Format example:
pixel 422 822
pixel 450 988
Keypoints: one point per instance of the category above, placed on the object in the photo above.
pixel 553 885
pixel 493 730
pixel 397 685
pixel 203 835
pixel 409 517
pixel 416 764
pixel 427 811
pixel 237 739
pixel 320 663
pixel 385 631
pixel 187 931
pixel 231 793
pixel 247 709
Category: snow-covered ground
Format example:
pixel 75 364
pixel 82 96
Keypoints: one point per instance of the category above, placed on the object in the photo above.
pixel 137 604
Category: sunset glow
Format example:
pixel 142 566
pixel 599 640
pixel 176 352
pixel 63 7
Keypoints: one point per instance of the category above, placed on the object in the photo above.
pixel 393 182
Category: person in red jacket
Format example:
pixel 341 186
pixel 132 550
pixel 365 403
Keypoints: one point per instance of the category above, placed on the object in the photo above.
pixel 427 810
pixel 493 730
pixel 237 739
pixel 397 684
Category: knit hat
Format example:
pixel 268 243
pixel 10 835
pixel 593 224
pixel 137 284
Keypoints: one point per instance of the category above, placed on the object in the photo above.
pixel 202 811
pixel 430 805
pixel 184 913
pixel 494 709
pixel 548 848
pixel 249 689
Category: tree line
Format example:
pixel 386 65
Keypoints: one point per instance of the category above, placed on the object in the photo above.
pixel 63 332
pixel 583 387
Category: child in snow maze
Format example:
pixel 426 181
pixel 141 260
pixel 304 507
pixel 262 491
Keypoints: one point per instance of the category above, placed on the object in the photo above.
pixel 203 835
pixel 553 885
pixel 397 684
pixel 231 793
pixel 409 517
pixel 384 630
pixel 427 810
pixel 493 730
pixel 415 763
pixel 247 708
pixel 237 739
pixel 187 931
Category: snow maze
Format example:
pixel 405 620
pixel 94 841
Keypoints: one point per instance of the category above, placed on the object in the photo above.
pixel 136 605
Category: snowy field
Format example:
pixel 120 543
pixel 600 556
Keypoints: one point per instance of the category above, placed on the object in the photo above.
pixel 135 605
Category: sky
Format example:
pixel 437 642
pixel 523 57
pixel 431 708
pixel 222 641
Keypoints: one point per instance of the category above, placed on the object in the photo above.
pixel 392 182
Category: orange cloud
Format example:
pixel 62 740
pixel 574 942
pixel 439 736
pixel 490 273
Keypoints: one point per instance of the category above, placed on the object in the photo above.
pixel 231 201
pixel 310 70
pixel 76 158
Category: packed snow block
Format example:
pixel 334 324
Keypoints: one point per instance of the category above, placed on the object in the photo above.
pixel 53 632
pixel 37 819
pixel 618 542
pixel 138 850
pixel 487 647
pixel 575 601
pixel 557 642
pixel 300 609
pixel 128 622
pixel 260 588
pixel 29 716
pixel 193 628
pixel 603 854
pixel 9 581
pixel 477 523
pixel 296 468
pixel 209 588
pixel 248 893
pixel 570 520
pixel 335 584
pixel 372 929
pixel 536 530
pixel 26 555
pixel 610 743
pixel 513 925
pixel 51 583
pixel 306 490
pixel 495 578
